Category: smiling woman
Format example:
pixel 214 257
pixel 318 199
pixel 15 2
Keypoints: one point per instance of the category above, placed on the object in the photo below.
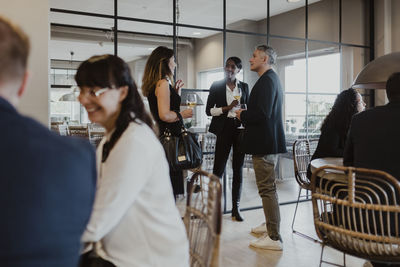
pixel 134 207
pixel 225 96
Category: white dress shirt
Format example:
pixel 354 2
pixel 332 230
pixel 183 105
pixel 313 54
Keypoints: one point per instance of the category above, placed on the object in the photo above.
pixel 134 213
pixel 217 111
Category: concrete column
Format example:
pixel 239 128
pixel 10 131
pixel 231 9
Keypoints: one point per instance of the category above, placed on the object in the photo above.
pixel 33 18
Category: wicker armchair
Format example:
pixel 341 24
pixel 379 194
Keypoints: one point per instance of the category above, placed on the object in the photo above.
pixel 357 212
pixel 203 217
pixel 303 149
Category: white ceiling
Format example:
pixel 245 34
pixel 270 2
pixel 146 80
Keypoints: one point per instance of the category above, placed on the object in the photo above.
pixel 195 12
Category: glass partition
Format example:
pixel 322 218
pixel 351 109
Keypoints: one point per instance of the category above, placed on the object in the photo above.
pixel 247 18
pixel 316 58
pixel 91 6
pixel 68 47
pixel 289 19
pixel 158 10
pixel 193 12
pixel 200 63
pixel 356 20
pixel 323 20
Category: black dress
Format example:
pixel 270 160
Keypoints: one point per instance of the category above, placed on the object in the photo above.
pixel 174 127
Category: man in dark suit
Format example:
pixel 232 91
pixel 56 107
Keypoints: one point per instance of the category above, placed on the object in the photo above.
pixel 47 182
pixel 264 138
pixel 225 126
pixel 377 147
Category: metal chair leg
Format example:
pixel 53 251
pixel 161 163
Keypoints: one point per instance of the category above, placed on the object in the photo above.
pixel 295 210
pixel 294 218
pixel 321 260
pixel 322 253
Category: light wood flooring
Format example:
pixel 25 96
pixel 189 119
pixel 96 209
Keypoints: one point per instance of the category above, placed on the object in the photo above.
pixel 297 251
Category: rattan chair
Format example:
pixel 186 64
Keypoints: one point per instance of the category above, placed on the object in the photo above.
pixel 357 212
pixel 203 217
pixel 303 149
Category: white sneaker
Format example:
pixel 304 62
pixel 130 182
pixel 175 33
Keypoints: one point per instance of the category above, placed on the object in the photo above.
pixel 261 229
pixel 266 242
pixel 367 264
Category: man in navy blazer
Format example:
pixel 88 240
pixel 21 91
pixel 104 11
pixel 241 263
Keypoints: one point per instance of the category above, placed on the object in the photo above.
pixel 47 182
pixel 225 126
pixel 376 147
pixel 263 139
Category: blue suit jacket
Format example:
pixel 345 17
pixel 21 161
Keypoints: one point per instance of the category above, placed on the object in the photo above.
pixel 47 187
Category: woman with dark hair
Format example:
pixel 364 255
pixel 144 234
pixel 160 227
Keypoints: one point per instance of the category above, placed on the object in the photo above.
pixel 134 215
pixel 336 125
pixel 225 126
pixel 164 99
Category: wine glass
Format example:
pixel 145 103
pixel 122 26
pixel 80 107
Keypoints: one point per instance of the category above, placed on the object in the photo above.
pixel 237 95
pixel 242 106
pixel 191 100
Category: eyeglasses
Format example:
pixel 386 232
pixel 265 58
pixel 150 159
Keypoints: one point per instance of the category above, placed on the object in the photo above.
pixel 91 91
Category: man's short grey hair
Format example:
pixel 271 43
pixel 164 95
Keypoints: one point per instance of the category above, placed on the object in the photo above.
pixel 270 52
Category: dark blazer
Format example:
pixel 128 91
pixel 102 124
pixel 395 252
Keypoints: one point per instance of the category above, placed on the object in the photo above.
pixel 47 188
pixel 373 140
pixel 264 133
pixel 217 98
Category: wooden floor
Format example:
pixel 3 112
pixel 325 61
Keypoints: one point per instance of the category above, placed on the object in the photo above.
pixel 297 251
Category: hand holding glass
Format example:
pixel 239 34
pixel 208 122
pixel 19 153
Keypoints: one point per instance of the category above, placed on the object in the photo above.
pixel 237 95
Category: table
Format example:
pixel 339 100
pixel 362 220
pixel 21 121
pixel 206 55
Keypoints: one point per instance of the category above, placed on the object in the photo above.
pixel 317 163
pixel 332 174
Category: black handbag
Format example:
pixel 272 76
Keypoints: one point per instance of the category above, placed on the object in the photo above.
pixel 183 151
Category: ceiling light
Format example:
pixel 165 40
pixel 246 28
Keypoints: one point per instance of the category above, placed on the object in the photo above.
pixel 293 1
pixel 196 33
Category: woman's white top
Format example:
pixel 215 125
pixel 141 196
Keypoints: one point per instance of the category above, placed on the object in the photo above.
pixel 134 213
pixel 229 99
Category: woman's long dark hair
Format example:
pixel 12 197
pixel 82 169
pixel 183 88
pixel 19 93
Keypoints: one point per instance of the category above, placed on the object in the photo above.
pixel 342 111
pixel 109 71
pixel 156 68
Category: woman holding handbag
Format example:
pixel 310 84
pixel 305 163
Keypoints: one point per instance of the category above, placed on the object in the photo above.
pixel 134 217
pixel 164 100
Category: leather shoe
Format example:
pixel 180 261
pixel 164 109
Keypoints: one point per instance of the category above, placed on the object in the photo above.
pixel 236 215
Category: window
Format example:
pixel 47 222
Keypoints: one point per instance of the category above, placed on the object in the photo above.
pixel 206 78
pixel 312 106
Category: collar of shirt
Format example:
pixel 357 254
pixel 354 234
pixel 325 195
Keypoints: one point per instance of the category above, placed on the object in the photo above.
pixel 234 89
pixel 230 98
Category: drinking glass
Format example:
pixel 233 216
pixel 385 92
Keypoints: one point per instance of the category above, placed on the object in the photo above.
pixel 237 95
pixel 242 106
pixel 191 100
